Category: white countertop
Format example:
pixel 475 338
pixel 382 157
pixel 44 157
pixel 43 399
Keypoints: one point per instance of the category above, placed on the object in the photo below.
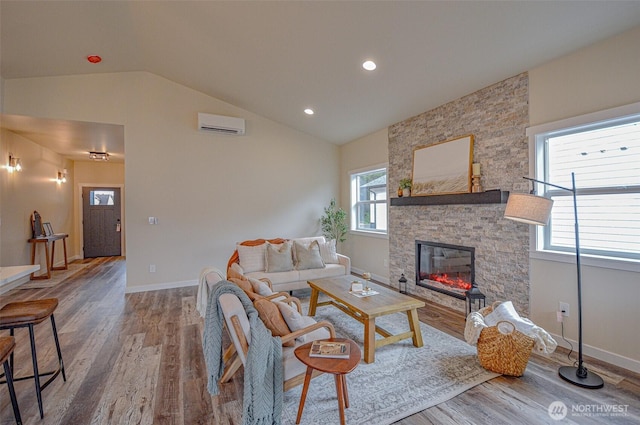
pixel 11 273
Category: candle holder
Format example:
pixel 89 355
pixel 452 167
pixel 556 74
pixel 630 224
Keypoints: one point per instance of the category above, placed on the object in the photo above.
pixel 476 186
pixel 367 277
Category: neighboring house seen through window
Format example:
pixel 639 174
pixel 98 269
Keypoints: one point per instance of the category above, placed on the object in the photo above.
pixel 605 157
pixel 369 201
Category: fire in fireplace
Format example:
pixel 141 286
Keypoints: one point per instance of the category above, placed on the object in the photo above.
pixel 444 268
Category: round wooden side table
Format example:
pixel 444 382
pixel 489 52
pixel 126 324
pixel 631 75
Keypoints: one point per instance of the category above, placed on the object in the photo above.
pixel 337 367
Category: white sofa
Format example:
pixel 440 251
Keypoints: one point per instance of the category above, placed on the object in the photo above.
pixel 251 260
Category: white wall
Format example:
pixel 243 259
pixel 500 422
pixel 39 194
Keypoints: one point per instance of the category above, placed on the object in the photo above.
pixel 367 253
pixel 599 77
pixel 34 188
pixel 208 191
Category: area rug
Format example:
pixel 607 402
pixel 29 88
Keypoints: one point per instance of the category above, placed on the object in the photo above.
pixel 403 380
pixel 57 277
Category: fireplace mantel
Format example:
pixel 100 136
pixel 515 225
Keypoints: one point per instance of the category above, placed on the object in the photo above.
pixel 489 197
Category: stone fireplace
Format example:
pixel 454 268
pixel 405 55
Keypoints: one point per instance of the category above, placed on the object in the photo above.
pixel 497 116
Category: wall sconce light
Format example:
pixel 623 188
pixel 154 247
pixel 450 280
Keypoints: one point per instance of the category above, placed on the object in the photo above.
pixel 99 156
pixel 62 176
pixel 14 164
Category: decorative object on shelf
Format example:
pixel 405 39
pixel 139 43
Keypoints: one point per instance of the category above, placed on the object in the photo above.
pixel 475 168
pixel 400 192
pixel 334 222
pixel 48 229
pixel 402 284
pixel 532 209
pixel 405 186
pixel 36 225
pixel 476 186
pixel 443 168
pixel 14 164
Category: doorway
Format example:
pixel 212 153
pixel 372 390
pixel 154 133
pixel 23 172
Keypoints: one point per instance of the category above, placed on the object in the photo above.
pixel 101 221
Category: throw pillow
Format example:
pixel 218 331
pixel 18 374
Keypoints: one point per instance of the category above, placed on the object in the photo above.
pixel 308 257
pixel 328 252
pixel 260 287
pixel 235 271
pixel 251 257
pixel 295 321
pixel 278 258
pixel 245 285
pixel 270 315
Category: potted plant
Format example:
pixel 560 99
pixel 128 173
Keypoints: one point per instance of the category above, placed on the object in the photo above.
pixel 405 185
pixel 334 222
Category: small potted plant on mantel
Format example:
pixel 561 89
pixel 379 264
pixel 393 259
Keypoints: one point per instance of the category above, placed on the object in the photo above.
pixel 405 187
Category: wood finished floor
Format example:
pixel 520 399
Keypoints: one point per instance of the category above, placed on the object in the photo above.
pixel 137 359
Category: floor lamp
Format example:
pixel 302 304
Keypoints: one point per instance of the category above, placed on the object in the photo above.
pixel 532 209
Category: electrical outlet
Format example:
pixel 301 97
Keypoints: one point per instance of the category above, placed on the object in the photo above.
pixel 563 308
pixel 152 268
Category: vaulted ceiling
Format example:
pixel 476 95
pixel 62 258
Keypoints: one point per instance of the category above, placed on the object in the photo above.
pixel 278 58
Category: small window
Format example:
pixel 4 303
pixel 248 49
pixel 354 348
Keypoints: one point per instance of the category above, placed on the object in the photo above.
pixel 101 197
pixel 369 201
pixel 605 158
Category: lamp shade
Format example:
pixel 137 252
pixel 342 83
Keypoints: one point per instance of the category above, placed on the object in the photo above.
pixel 530 209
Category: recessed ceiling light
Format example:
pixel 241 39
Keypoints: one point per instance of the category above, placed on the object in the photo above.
pixel 94 58
pixel 309 111
pixel 369 65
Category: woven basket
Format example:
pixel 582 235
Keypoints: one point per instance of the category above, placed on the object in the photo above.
pixel 505 353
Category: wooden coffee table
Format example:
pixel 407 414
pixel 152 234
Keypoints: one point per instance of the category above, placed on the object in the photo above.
pixel 338 367
pixel 366 309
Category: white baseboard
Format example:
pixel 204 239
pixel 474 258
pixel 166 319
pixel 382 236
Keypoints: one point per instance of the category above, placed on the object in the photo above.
pixel 375 277
pixel 69 259
pixel 600 354
pixel 160 286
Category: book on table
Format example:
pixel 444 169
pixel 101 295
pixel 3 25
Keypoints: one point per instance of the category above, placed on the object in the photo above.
pixel 330 349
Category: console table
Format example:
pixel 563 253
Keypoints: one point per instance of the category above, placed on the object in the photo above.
pixel 44 240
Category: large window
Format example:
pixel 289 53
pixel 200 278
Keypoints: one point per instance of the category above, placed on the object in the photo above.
pixel 369 200
pixel 605 157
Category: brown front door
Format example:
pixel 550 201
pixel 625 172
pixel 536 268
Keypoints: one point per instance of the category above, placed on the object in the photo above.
pixel 101 221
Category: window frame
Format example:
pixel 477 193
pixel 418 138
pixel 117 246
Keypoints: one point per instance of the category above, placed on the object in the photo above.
pixel 537 145
pixel 353 213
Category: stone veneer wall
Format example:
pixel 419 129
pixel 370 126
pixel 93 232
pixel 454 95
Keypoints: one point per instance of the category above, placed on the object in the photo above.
pixel 497 116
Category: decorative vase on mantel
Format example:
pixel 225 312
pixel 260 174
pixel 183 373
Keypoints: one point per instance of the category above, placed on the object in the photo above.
pixel 405 186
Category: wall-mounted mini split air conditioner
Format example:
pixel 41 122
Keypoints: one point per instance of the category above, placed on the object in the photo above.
pixel 220 124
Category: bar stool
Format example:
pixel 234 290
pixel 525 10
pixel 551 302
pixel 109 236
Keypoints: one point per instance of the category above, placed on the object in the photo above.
pixel 22 314
pixel 7 344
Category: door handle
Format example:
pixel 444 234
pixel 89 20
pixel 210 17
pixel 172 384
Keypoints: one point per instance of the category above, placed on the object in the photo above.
pixel 118 226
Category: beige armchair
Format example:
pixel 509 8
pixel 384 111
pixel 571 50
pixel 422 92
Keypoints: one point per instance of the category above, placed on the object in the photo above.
pixel 237 324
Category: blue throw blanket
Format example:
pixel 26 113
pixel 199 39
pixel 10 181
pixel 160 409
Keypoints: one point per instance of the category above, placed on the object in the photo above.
pixel 263 375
